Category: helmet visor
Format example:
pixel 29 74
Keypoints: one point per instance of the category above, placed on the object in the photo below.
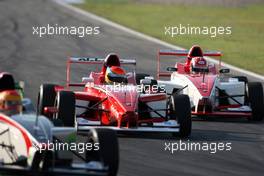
pixel 117 78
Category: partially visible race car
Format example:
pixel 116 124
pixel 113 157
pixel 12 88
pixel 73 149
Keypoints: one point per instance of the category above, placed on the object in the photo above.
pixel 212 91
pixel 122 105
pixel 32 145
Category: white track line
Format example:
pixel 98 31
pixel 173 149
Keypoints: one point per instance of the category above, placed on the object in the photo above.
pixel 146 37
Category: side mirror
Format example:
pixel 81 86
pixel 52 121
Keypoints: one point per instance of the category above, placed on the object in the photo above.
pixel 145 81
pixel 87 80
pixel 224 70
pixel 148 82
pixel 172 69
pixel 20 85
pixel 149 77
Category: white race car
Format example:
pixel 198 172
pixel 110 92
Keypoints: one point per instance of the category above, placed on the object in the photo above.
pixel 212 91
pixel 33 145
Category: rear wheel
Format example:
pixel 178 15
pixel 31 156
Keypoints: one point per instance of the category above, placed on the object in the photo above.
pixel 180 109
pixel 65 104
pixel 46 98
pixel 107 152
pixel 256 102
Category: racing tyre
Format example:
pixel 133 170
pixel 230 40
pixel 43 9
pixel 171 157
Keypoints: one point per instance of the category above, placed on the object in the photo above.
pixel 180 108
pixel 46 97
pixel 256 102
pixel 107 152
pixel 140 76
pixel 42 161
pixel 65 104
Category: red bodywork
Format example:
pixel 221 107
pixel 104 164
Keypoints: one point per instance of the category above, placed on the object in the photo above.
pixel 204 82
pixel 106 105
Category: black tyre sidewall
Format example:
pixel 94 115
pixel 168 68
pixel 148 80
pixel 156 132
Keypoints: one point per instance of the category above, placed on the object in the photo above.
pixel 255 97
pixel 108 152
pixel 181 109
pixel 66 108
pixel 46 97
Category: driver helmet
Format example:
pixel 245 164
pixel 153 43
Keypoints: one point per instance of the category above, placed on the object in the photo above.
pixel 10 102
pixel 115 74
pixel 198 63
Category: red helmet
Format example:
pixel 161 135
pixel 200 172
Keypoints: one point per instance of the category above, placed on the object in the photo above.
pixel 198 63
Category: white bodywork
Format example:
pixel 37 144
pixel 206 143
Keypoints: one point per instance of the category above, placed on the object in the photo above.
pixel 14 135
pixel 230 85
pixel 11 136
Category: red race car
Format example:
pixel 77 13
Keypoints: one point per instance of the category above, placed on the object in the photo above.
pixel 112 98
pixel 211 90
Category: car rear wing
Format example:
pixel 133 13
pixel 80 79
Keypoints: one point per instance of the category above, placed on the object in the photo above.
pixel 89 61
pixel 93 60
pixel 172 52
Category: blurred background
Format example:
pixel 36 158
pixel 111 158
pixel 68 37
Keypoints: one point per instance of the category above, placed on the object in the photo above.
pixel 243 48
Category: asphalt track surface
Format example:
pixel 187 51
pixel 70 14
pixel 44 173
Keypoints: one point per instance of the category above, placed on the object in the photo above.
pixel 37 60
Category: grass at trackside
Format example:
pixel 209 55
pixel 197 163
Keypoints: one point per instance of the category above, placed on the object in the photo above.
pixel 243 48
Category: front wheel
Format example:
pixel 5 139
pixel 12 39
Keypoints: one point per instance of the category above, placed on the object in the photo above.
pixel 46 98
pixel 65 104
pixel 180 109
pixel 107 150
pixel 256 102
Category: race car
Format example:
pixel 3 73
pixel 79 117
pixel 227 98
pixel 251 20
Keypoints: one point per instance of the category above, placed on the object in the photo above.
pixel 113 99
pixel 212 91
pixel 33 145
